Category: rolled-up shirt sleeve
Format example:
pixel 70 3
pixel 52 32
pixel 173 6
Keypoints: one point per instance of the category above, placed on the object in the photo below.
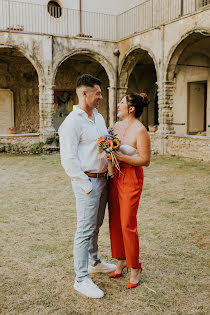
pixel 69 135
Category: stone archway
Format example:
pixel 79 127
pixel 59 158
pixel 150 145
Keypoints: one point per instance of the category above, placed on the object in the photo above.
pixel 92 54
pixel 19 76
pixel 65 75
pixel 138 73
pixel 185 41
pixel 188 70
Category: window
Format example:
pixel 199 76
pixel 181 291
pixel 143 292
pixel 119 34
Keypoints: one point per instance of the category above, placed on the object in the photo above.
pixel 54 9
pixel 202 3
pixel 205 2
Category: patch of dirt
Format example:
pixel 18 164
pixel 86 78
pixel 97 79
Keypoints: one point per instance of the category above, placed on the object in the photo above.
pixel 200 237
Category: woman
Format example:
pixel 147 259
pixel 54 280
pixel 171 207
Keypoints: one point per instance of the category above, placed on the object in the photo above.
pixel 126 186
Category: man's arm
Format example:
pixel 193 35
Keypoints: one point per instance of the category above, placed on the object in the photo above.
pixel 69 135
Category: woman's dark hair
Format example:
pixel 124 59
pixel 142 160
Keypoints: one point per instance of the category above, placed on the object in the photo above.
pixel 87 80
pixel 139 101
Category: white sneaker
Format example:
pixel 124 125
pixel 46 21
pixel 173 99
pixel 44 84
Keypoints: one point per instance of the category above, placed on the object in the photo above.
pixel 88 288
pixel 102 267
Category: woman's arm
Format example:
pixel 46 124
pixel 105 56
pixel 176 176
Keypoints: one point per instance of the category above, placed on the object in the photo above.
pixel 143 147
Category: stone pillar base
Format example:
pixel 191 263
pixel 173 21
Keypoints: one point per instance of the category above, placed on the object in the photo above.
pixel 46 109
pixel 165 104
pixel 46 133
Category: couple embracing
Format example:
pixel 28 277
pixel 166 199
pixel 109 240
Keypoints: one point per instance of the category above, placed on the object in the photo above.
pixel 88 172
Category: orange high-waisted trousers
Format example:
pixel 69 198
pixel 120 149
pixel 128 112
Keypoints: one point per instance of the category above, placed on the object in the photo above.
pixel 124 194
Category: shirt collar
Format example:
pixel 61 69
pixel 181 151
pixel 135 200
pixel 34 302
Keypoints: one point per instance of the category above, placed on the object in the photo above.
pixel 82 112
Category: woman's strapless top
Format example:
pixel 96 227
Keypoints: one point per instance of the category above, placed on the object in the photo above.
pixel 128 150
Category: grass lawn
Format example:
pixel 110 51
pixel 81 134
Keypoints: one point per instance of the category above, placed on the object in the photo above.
pixel 38 221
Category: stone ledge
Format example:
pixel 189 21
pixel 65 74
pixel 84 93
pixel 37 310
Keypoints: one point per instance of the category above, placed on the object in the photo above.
pixel 24 139
pixel 189 136
pixel 178 136
pixel 19 135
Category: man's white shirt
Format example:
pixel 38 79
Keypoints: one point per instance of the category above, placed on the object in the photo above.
pixel 79 147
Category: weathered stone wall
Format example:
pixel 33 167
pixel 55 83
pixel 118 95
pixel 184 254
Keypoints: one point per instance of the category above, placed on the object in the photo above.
pixel 18 75
pixel 193 147
pixel 21 140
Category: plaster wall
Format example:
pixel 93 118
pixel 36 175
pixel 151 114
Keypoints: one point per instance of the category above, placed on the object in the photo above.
pixel 187 74
pixel 35 18
pixel 108 6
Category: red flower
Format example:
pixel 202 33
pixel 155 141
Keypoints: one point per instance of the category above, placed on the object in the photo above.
pixel 101 139
pixel 110 143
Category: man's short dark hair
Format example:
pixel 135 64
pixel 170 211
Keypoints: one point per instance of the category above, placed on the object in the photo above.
pixel 87 80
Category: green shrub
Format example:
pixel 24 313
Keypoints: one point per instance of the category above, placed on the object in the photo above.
pixel 37 148
pixel 53 139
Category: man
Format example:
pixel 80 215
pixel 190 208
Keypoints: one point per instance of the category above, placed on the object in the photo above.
pixel 87 168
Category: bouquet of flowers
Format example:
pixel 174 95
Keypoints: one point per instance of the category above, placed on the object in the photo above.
pixel 110 144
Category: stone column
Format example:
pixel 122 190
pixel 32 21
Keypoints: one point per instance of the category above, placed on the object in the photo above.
pixel 46 109
pixel 112 107
pixel 165 105
pixel 121 93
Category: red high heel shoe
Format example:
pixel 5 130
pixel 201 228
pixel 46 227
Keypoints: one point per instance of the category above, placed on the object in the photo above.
pixel 131 285
pixel 116 275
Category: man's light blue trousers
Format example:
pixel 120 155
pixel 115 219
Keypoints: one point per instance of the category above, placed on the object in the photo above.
pixel 90 214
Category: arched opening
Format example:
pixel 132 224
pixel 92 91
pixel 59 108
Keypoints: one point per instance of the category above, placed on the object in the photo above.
pixel 65 81
pixel 139 73
pixel 189 67
pixel 19 93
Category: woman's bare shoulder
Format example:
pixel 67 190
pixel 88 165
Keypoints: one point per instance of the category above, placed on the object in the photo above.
pixel 140 129
pixel 139 125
